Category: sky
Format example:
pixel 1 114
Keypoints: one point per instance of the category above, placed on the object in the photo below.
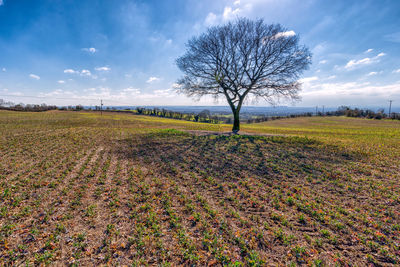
pixel 69 52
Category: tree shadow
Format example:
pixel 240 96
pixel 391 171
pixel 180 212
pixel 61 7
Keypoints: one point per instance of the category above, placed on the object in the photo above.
pixel 233 157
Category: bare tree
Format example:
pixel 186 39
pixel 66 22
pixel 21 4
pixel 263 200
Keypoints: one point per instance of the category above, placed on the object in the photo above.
pixel 243 58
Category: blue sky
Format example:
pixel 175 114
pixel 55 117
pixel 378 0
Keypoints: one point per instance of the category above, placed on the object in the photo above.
pixel 77 52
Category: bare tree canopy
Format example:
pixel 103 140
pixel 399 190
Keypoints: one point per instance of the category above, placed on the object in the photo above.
pixel 243 58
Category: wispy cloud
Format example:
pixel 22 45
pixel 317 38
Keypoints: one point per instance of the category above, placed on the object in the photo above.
pixel 3 69
pixel 369 50
pixel 323 61
pixel 365 61
pixel 152 79
pixel 308 79
pixel 102 69
pixel 373 73
pixel 393 37
pixel 131 90
pixel 34 76
pixel 90 50
pixel 61 81
pixel 71 71
pixel 396 71
pixel 1 2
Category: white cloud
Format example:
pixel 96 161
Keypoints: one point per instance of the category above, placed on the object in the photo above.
pixel 86 73
pixel 165 93
pixel 90 50
pixel 323 61
pixel 308 79
pixel 365 61
pixel 61 81
pixel 369 50
pixel 114 97
pixel 352 90
pixel 396 71
pixel 1 2
pixel 11 93
pixel 284 34
pixel 131 90
pixel 70 71
pixel 152 79
pixel 3 69
pixel 331 77
pixel 352 63
pixel 102 69
pixel 372 73
pixel 35 77
pixel 211 19
pixel 176 86
pixel 228 13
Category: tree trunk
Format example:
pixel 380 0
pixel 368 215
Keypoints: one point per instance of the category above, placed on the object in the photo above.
pixel 236 122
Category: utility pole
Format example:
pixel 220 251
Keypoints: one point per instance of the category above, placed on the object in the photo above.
pixel 323 110
pixel 316 110
pixel 390 108
pixel 101 107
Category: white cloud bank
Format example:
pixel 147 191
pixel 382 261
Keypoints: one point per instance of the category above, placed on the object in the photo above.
pixel 349 93
pixel 127 96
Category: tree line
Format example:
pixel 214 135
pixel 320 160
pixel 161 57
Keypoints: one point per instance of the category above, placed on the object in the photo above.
pixel 205 116
pixel 8 105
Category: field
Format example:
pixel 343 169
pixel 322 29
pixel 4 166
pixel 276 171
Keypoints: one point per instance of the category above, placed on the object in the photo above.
pixel 81 189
